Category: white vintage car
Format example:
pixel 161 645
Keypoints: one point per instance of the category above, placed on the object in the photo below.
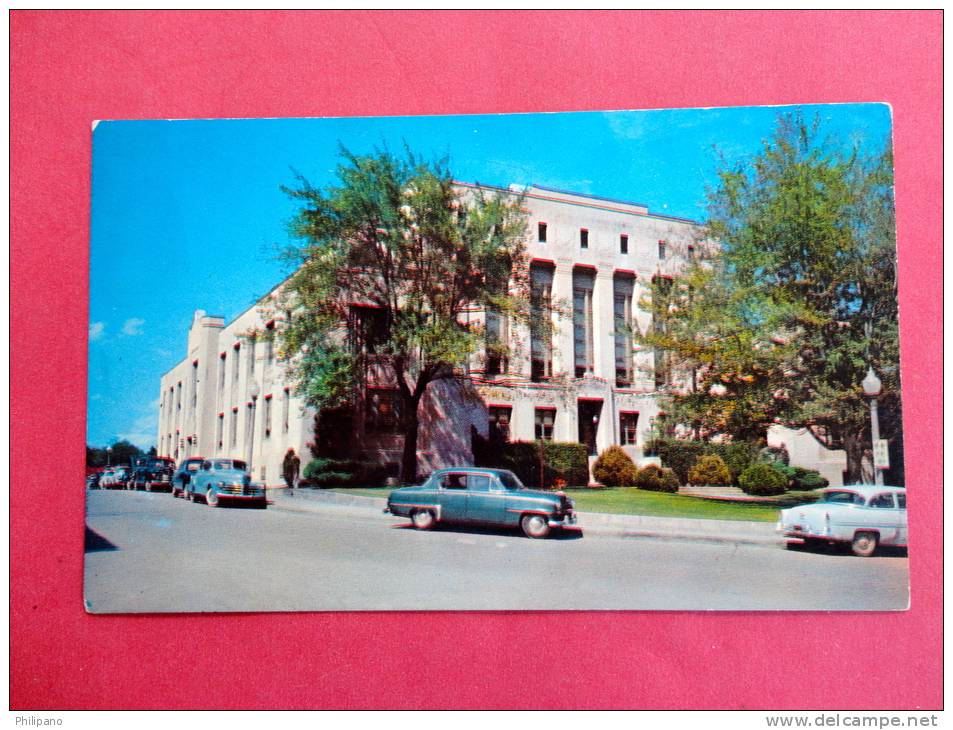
pixel 863 515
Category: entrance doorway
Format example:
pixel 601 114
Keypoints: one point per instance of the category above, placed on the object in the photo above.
pixel 590 411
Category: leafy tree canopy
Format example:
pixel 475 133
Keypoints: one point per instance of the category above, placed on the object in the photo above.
pixel 778 320
pixel 396 235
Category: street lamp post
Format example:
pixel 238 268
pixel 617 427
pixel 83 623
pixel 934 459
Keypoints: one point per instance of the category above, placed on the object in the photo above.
pixel 253 392
pixel 872 386
pixel 109 455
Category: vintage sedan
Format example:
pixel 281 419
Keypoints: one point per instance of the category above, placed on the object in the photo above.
pixel 471 495
pixel 154 473
pixel 224 480
pixel 862 516
pixel 183 475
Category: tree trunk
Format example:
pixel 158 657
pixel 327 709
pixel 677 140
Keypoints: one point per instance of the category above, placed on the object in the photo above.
pixel 408 463
pixel 854 446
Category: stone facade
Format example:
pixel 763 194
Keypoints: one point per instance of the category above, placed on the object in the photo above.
pixel 593 258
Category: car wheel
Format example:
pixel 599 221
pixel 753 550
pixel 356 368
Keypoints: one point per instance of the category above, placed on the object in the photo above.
pixel 864 544
pixel 534 526
pixel 423 519
pixel 211 498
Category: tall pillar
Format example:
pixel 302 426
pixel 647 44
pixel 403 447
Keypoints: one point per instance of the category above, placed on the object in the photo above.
pixel 603 324
pixel 563 355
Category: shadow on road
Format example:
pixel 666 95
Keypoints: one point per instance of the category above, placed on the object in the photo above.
pixel 823 548
pixel 568 533
pixel 97 543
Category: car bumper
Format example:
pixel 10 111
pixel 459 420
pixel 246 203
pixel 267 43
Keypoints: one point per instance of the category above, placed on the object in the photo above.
pixel 565 521
pixel 260 497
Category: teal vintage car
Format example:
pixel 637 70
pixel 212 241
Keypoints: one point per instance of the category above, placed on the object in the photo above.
pixel 471 495
pixel 224 480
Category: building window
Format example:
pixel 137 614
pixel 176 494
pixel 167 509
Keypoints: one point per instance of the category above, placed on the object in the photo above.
pixel 221 374
pixel 583 238
pixel 541 345
pixel 267 416
pixel 623 243
pixel 369 329
pixel 661 296
pixel 233 435
pixel 236 356
pixel 541 232
pixel 545 418
pixel 497 336
pixel 249 425
pixel 622 316
pixel 661 250
pixel 285 410
pixel 583 281
pixel 178 396
pixel 382 411
pixel 500 423
pixel 195 384
pixel 220 431
pixel 691 252
pixel 251 358
pixel 628 428
pixel 269 344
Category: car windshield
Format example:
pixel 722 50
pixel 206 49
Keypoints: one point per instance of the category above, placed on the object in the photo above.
pixel 842 498
pixel 158 463
pixel 509 480
pixel 228 464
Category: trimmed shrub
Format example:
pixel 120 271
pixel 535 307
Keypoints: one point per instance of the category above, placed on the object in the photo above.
pixel 762 479
pixel 564 463
pixel 656 479
pixel 614 468
pixel 711 470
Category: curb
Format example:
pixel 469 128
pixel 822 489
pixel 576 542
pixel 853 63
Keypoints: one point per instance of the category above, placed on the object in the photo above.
pixel 598 523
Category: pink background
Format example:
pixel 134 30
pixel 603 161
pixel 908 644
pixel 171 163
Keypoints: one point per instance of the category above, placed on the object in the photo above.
pixel 69 68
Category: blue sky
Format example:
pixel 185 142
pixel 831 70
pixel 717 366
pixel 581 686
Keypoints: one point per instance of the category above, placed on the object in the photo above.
pixel 188 214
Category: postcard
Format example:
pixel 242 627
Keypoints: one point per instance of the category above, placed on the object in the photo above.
pixel 622 360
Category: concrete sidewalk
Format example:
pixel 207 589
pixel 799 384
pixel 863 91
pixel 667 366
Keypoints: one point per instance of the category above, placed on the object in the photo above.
pixel 596 523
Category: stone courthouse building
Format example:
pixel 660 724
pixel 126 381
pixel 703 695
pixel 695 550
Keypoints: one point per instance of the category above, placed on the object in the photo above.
pixel 588 381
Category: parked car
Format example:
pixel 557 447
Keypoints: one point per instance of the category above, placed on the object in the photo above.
pixel 863 516
pixel 92 480
pixel 470 495
pixel 224 480
pixel 183 475
pixel 154 473
pixel 114 477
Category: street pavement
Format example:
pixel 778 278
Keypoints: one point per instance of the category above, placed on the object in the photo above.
pixel 149 552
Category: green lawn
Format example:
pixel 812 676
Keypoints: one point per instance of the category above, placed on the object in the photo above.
pixel 629 501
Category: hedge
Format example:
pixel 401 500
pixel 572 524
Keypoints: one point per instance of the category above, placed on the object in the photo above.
pixel 680 456
pixel 614 468
pixel 564 463
pixel 763 480
pixel 799 478
pixel 322 473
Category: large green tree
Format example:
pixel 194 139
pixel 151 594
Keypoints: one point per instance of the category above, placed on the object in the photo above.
pixel 396 235
pixel 794 296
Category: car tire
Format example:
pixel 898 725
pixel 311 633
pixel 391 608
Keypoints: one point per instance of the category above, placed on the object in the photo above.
pixel 535 526
pixel 211 498
pixel 423 519
pixel 864 544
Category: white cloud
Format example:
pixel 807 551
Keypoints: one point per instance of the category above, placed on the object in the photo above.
pixel 142 440
pixel 96 330
pixel 133 326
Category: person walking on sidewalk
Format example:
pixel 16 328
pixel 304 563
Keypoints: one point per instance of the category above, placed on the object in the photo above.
pixel 290 468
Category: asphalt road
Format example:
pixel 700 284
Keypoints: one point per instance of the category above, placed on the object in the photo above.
pixel 152 553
